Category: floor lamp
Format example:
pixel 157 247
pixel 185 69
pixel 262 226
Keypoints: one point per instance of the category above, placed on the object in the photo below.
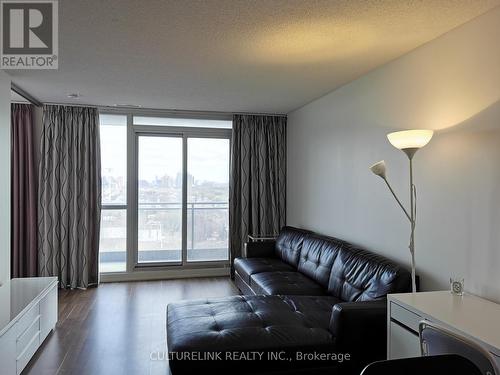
pixel 408 141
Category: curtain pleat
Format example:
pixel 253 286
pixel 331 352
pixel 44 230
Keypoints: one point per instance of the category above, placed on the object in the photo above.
pixel 24 262
pixel 70 196
pixel 258 178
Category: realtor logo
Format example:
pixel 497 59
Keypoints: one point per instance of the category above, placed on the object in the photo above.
pixel 29 37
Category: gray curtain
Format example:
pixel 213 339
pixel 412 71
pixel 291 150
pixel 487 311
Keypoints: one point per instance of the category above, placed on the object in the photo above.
pixel 70 196
pixel 24 261
pixel 258 178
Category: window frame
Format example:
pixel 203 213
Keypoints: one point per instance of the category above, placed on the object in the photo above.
pixel 133 134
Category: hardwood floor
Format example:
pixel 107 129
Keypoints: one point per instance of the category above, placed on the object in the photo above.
pixel 113 329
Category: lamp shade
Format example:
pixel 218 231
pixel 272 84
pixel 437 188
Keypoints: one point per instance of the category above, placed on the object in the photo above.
pixel 379 169
pixel 410 139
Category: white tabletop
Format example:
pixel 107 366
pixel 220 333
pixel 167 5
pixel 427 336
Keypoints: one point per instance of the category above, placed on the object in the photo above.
pixel 473 316
pixel 17 296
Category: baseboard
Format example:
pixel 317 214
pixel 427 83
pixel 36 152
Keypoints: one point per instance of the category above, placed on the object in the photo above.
pixel 164 274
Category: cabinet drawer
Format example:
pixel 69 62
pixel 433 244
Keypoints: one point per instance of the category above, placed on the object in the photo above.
pixel 23 359
pixel 27 336
pixel 8 351
pixel 403 342
pixel 405 317
pixel 48 313
pixel 27 319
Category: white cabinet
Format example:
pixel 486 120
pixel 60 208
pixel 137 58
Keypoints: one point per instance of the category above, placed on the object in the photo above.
pixel 29 313
pixel 8 351
pixel 402 325
pixel 48 313
pixel 468 315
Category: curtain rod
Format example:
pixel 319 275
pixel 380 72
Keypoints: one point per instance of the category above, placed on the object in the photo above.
pixel 25 95
pixel 72 105
pixel 164 111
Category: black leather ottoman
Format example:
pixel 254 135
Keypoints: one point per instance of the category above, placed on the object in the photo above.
pixel 222 334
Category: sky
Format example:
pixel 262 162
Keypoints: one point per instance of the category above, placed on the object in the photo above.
pixel 208 158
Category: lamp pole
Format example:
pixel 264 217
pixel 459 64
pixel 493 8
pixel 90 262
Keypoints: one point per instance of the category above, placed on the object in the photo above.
pixel 412 223
pixel 410 152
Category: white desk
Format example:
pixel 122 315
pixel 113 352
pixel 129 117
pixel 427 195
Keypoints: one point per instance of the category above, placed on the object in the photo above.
pixel 28 312
pixel 468 315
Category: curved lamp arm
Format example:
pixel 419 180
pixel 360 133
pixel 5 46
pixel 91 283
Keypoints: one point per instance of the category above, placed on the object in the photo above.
pixel 397 199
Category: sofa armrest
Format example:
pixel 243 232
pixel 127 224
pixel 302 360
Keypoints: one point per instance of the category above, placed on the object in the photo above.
pixel 260 249
pixel 361 327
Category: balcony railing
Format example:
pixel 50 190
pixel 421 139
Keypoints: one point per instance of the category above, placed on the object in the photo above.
pixel 160 236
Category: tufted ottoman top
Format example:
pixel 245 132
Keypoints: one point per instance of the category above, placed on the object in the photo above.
pixel 249 322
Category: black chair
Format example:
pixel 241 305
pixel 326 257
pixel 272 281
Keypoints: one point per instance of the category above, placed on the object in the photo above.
pixel 443 352
pixel 437 340
pixel 449 364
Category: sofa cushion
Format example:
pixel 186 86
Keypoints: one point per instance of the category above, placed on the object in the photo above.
pixel 248 322
pixel 246 267
pixel 289 244
pixel 317 256
pixel 359 275
pixel 292 283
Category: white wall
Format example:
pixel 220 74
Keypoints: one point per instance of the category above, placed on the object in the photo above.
pixel 4 177
pixel 451 84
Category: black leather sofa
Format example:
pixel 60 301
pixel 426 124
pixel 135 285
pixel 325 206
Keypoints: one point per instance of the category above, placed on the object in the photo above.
pixel 302 295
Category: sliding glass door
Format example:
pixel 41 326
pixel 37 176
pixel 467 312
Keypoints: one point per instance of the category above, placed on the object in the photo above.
pixel 181 203
pixel 182 198
pixel 160 199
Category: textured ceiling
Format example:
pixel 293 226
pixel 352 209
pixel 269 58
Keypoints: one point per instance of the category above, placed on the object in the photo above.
pixel 231 55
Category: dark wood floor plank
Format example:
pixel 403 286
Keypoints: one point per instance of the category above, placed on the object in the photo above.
pixel 113 329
